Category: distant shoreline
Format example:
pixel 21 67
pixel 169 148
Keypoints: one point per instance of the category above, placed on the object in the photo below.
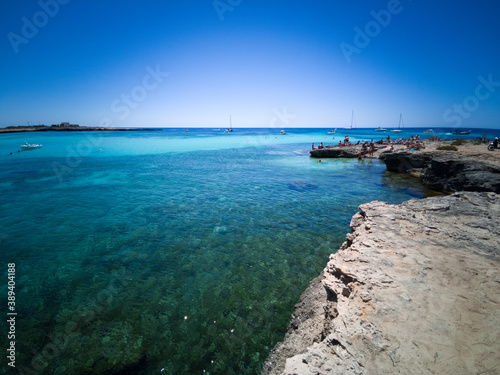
pixel 45 128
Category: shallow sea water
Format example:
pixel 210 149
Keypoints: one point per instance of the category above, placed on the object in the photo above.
pixel 171 252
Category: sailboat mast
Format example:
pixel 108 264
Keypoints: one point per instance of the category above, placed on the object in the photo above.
pixel 352 118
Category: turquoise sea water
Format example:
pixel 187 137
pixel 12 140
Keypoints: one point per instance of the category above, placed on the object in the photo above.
pixel 171 252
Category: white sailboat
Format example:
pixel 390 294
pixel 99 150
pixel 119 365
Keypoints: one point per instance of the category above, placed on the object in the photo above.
pixel 399 130
pixel 352 121
pixel 230 125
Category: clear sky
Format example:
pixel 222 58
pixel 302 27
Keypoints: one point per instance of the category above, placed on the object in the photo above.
pixel 192 63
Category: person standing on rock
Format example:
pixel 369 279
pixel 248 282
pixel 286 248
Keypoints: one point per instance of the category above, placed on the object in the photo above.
pixel 371 149
pixel 364 149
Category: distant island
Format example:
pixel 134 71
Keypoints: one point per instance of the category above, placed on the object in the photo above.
pixel 66 126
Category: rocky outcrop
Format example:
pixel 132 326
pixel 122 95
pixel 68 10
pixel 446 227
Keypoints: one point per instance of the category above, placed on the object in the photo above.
pixel 336 152
pixel 414 289
pixel 446 171
pixel 305 328
pixel 341 151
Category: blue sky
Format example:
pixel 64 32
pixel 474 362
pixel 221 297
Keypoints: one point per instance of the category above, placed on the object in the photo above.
pixel 267 63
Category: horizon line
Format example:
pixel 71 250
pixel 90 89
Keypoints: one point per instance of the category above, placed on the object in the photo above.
pixel 253 127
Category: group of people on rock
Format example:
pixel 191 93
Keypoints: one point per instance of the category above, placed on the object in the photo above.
pixel 367 149
pixel 319 147
pixel 414 143
pixel 346 142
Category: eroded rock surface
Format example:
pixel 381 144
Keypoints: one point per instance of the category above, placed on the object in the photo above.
pixel 446 171
pixel 341 151
pixel 414 289
pixel 336 152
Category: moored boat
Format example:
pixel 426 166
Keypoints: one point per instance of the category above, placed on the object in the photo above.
pixel 398 130
pixel 230 130
pixel 352 121
pixel 27 147
pixel 460 132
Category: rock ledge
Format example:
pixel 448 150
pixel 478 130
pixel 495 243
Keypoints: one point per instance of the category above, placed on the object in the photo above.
pixel 446 171
pixel 414 289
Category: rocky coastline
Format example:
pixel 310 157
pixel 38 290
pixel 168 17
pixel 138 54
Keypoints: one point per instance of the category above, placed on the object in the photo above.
pixel 339 151
pixel 414 289
pixel 446 171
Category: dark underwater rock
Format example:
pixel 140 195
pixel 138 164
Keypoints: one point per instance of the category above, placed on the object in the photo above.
pixel 301 186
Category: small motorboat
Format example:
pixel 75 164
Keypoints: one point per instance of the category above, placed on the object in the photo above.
pixel 429 131
pixel 379 129
pixel 282 132
pixel 28 147
pixel 460 132
pixel 332 131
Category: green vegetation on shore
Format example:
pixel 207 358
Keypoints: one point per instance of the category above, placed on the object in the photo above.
pixel 447 148
pixel 458 142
